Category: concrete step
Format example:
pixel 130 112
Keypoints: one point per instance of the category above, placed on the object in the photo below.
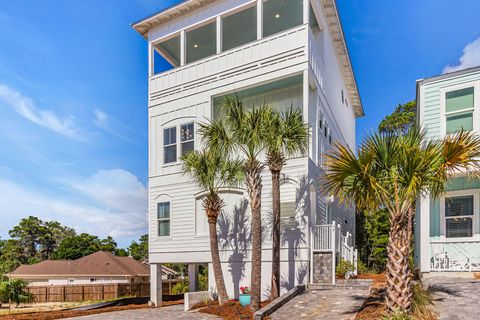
pixel 352 284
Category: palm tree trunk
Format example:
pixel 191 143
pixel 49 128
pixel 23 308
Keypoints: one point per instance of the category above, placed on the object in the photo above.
pixel 275 289
pixel 254 186
pixel 399 276
pixel 217 267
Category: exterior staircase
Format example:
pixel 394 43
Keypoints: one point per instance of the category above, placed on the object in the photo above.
pixel 352 284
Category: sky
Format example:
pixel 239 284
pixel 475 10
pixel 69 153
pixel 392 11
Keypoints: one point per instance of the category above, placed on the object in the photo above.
pixel 73 97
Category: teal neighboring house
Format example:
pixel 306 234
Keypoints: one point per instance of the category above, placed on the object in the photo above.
pixel 447 230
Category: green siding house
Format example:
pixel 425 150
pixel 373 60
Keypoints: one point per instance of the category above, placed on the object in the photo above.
pixel 447 230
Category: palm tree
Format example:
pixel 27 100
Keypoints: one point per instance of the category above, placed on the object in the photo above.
pixel 286 137
pixel 212 171
pixel 243 132
pixel 392 171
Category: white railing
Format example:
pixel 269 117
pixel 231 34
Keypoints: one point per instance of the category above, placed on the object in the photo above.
pixel 329 238
pixel 454 255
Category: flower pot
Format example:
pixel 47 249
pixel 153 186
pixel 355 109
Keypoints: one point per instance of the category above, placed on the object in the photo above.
pixel 244 300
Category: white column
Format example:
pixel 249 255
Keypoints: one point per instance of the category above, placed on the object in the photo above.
pixel 183 45
pixel 334 245
pixel 193 276
pixel 259 19
pixel 219 34
pixel 306 11
pixel 424 234
pixel 156 284
pixel 151 60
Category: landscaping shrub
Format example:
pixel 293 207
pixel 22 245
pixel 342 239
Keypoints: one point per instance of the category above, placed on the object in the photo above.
pixel 362 268
pixel 398 315
pixel 181 287
pixel 344 267
pixel 422 305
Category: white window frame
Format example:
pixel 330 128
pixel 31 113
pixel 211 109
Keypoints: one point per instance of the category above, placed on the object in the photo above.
pixel 186 141
pixel 170 145
pixel 476 105
pixel 443 223
pixel 164 219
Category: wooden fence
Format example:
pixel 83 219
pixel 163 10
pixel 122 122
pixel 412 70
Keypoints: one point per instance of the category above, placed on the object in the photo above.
pixel 95 292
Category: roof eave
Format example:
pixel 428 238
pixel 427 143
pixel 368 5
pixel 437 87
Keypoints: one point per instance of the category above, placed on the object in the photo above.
pixel 340 45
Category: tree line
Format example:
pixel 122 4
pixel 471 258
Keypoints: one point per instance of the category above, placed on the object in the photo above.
pixel 33 240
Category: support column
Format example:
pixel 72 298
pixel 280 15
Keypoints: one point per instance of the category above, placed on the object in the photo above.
pixel 151 60
pixel 156 284
pixel 193 277
pixel 306 11
pixel 424 234
pixel 183 45
pixel 219 34
pixel 259 19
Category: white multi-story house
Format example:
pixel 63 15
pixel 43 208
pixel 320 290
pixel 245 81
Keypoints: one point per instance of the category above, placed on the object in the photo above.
pixel 447 230
pixel 280 52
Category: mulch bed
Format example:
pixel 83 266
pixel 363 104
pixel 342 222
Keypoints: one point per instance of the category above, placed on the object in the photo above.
pixel 61 314
pixel 230 311
pixel 374 307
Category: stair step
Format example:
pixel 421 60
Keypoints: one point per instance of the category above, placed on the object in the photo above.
pixel 352 284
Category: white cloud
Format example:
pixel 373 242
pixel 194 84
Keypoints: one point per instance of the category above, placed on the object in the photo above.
pixel 114 203
pixel 25 107
pixel 107 123
pixel 470 58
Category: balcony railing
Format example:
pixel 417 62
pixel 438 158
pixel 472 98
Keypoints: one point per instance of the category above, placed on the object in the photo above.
pixel 452 255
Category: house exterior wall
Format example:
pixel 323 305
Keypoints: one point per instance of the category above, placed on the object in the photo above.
pixel 431 241
pixel 185 94
pixel 79 280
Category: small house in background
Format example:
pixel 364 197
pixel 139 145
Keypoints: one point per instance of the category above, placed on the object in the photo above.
pixel 97 268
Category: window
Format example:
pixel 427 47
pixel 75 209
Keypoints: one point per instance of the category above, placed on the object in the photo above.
pixel 170 50
pixel 279 15
pixel 170 145
pixel 343 97
pixel 281 95
pixel 239 28
pixel 325 130
pixel 329 138
pixel 201 42
pixel 320 121
pixel 459 110
pixel 163 217
pixel 287 215
pixel 459 216
pixel 187 138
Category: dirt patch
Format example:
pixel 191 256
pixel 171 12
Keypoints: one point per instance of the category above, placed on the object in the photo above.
pixel 61 314
pixel 374 307
pixel 232 310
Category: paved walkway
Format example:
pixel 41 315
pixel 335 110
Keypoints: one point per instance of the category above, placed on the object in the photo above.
pixel 336 304
pixel 166 313
pixel 456 299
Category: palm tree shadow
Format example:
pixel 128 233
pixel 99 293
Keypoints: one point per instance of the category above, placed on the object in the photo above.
pixel 234 234
pixel 294 235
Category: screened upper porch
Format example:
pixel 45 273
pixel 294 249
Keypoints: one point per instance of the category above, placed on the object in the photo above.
pixel 250 22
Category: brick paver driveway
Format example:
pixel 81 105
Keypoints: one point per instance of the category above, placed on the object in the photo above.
pixel 165 313
pixel 335 304
pixel 456 299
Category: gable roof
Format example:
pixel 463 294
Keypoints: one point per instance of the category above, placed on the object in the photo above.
pixel 97 264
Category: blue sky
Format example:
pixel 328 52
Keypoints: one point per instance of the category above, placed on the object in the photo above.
pixel 73 97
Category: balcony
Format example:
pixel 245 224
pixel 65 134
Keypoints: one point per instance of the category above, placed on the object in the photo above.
pixel 283 50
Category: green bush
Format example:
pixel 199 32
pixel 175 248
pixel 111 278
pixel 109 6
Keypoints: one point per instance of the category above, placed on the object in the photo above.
pixel 422 303
pixel 398 315
pixel 362 267
pixel 180 287
pixel 343 267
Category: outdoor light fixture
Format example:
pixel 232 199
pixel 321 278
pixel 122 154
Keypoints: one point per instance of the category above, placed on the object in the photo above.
pixel 277 16
pixel 195 45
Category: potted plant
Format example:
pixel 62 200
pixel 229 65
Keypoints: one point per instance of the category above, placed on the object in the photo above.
pixel 244 296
